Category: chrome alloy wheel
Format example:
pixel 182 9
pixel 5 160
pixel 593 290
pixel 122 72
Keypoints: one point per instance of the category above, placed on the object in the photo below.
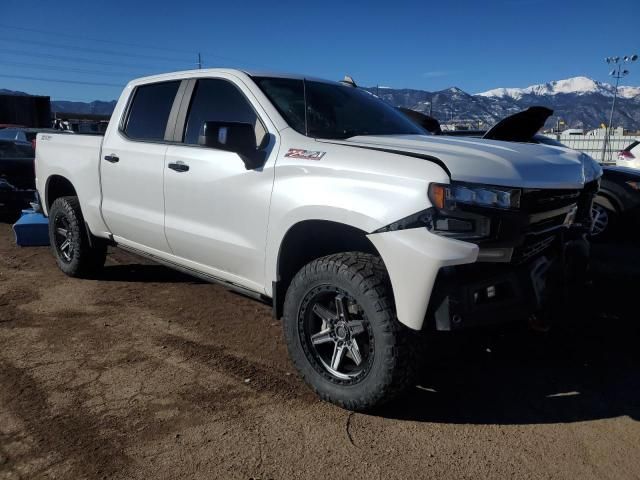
pixel 63 237
pixel 336 334
pixel 600 219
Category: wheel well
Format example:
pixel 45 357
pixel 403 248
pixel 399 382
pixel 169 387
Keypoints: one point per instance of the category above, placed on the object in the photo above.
pixel 58 186
pixel 312 239
pixel 608 201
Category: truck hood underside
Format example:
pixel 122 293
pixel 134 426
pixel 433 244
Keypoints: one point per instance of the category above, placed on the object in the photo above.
pixel 489 161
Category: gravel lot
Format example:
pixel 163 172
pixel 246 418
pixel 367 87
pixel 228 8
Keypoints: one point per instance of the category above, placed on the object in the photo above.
pixel 146 373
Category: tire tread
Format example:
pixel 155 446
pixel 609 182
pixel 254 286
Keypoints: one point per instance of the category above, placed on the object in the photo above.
pixel 368 275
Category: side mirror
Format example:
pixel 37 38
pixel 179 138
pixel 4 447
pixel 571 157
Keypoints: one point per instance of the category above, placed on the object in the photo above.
pixel 237 137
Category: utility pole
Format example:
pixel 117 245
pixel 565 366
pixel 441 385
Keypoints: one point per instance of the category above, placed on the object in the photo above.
pixel 616 73
pixel 199 61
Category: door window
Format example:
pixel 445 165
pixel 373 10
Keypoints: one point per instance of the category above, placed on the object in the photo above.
pixel 150 109
pixel 218 101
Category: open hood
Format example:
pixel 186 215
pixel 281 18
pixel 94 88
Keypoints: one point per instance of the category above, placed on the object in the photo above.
pixel 430 124
pixel 520 127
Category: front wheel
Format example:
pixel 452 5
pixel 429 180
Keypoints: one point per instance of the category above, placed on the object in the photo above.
pixel 342 333
pixel 75 254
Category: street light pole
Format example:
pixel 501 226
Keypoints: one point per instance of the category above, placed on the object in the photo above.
pixel 616 73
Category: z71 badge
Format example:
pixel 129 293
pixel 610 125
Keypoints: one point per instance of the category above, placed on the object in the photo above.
pixel 304 154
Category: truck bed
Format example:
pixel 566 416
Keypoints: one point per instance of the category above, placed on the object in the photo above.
pixel 75 158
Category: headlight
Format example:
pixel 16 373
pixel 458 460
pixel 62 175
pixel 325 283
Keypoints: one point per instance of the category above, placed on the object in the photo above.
pixel 448 219
pixel 446 197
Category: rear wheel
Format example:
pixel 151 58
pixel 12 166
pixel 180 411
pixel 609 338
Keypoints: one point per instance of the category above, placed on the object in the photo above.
pixel 75 254
pixel 342 332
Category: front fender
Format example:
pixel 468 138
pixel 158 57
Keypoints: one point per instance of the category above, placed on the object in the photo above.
pixel 413 258
pixel 278 230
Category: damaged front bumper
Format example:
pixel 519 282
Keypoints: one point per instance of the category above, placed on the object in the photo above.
pixel 521 269
pixel 481 294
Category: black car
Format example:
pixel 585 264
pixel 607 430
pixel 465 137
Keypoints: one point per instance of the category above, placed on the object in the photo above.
pixel 17 177
pixel 616 209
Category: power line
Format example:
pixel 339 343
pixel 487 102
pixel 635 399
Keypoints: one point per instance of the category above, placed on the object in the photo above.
pixel 59 80
pixel 92 50
pixel 40 66
pixel 83 60
pixel 131 45
pixel 76 37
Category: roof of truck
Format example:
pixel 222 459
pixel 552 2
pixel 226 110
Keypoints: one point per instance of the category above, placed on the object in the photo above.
pixel 232 71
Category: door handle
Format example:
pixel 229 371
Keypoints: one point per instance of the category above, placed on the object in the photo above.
pixel 179 167
pixel 112 158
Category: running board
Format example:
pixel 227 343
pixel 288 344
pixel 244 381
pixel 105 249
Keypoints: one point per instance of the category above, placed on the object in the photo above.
pixel 195 273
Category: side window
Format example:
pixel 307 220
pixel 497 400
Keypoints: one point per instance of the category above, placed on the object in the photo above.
pixel 219 101
pixel 149 110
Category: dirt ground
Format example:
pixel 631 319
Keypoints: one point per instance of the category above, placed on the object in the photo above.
pixel 148 374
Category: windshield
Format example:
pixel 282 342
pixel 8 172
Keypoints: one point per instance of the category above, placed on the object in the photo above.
pixel 334 111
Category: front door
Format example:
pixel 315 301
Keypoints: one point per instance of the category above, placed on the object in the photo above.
pixel 216 210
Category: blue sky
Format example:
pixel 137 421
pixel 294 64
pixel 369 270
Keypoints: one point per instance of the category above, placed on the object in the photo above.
pixel 95 47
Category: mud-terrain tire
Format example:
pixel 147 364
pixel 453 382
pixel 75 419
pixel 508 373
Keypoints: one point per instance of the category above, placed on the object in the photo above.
pixel 75 255
pixel 386 349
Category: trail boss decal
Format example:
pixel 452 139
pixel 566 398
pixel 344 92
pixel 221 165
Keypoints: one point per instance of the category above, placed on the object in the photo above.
pixel 304 154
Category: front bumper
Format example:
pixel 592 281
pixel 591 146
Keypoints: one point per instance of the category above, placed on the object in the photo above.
pixel 484 295
pixel 491 294
pixel 517 262
pixel 439 280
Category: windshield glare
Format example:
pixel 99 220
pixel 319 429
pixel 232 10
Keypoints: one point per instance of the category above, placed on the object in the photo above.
pixel 334 111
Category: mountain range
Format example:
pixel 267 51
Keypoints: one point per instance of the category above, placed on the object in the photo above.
pixel 97 107
pixel 579 101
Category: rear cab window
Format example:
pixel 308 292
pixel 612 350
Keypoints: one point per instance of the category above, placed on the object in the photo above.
pixel 149 111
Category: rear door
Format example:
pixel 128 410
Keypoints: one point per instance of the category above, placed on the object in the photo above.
pixel 217 211
pixel 132 167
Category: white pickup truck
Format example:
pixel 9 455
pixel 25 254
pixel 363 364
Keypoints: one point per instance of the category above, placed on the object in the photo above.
pixel 357 225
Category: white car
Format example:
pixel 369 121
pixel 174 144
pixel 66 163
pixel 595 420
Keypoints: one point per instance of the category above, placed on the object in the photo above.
pixel 629 157
pixel 359 227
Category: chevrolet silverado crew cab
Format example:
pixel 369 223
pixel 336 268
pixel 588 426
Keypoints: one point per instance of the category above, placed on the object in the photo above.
pixel 357 225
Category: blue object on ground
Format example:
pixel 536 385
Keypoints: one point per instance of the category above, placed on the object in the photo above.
pixel 32 229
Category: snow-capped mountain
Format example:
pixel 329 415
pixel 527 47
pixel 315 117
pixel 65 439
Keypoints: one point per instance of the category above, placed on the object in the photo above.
pixel 575 85
pixel 580 102
pixel 629 92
